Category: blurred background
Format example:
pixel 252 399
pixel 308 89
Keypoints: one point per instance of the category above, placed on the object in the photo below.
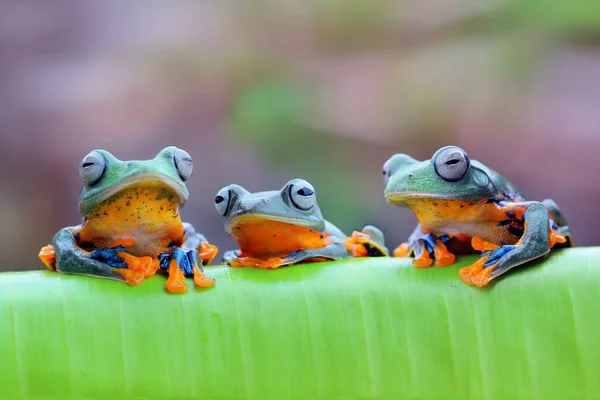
pixel 262 91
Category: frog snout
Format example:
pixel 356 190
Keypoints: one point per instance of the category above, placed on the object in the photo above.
pixel 247 205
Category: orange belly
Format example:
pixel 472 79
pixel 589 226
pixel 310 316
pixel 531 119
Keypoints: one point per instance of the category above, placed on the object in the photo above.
pixel 458 217
pixel 146 217
pixel 261 238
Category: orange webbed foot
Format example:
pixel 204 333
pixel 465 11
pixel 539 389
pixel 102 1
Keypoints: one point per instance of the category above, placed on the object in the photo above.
pixel 469 275
pixel 176 281
pixel 443 257
pixel 423 261
pixel 366 243
pixel 48 257
pixel 207 252
pixel 555 237
pixel 355 245
pixel 402 250
pixel 202 280
pixel 478 274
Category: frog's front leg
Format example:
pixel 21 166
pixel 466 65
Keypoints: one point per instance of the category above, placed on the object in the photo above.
pixel 186 262
pixel 370 242
pixel 112 262
pixel 426 247
pixel 496 260
pixel 334 250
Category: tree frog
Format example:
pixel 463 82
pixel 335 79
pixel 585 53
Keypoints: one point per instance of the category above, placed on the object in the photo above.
pixel 285 227
pixel 458 200
pixel 131 223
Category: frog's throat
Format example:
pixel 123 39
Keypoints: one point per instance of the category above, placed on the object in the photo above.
pixel 403 198
pixel 149 180
pixel 236 220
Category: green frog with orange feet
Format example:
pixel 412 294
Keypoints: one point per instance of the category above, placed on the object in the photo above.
pixel 131 223
pixel 460 203
pixel 285 227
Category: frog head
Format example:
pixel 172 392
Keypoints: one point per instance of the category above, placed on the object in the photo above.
pixel 449 175
pixel 295 204
pixel 106 179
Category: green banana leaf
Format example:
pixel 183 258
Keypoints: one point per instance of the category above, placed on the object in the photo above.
pixel 369 328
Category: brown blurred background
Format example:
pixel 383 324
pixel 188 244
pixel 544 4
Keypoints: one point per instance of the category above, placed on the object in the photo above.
pixel 259 92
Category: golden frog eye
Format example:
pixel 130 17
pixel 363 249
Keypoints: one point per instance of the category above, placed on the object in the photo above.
pixel 183 163
pixel 92 167
pixel 452 164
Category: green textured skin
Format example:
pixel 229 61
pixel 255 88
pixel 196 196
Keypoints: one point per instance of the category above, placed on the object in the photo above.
pixel 352 329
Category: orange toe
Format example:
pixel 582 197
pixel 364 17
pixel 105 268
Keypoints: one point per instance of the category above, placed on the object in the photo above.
pixel 402 250
pixel 48 257
pixel 442 256
pixel 133 278
pixel 207 252
pixel 467 273
pixel 423 261
pixel 483 278
pixel 175 282
pixel 202 280
pixel 555 237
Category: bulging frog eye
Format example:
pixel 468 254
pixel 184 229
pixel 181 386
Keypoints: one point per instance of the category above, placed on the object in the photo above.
pixel 92 168
pixel 222 201
pixel 452 164
pixel 183 163
pixel 386 172
pixel 302 194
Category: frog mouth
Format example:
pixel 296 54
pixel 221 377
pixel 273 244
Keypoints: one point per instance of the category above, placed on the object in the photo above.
pixel 142 180
pixel 407 197
pixel 241 218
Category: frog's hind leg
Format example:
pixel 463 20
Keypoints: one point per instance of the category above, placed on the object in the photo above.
pixel 103 263
pixel 370 242
pixel 496 260
pixel 561 225
pixel 335 250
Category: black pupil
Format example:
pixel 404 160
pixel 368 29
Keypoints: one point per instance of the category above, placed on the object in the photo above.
pixel 452 162
pixel 305 192
pixel 219 199
pixel 87 164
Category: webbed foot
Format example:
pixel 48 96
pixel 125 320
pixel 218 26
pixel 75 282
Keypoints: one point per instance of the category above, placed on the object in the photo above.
pixel 48 257
pixel 180 265
pixel 133 269
pixel 426 248
pixel 370 242
pixel 207 252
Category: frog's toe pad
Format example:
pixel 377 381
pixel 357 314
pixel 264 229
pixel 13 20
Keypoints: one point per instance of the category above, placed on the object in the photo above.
pixel 363 244
pixel 402 250
pixel 207 252
pixel 48 257
pixel 201 280
pixel 485 268
pixel 176 281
